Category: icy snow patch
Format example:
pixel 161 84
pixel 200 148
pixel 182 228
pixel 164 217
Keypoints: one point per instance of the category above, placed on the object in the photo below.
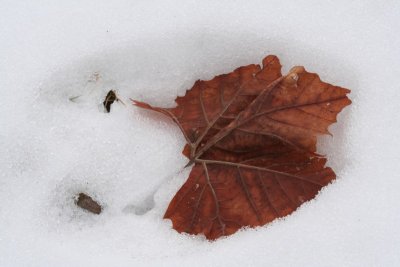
pixel 53 148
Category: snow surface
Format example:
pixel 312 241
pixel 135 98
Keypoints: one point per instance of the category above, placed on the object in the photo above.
pixel 51 148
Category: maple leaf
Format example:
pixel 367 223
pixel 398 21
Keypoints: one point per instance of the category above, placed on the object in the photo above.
pixel 251 135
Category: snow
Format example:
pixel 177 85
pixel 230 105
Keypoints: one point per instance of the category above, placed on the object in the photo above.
pixel 53 148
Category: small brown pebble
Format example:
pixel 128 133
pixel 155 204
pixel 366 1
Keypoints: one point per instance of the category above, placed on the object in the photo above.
pixel 87 203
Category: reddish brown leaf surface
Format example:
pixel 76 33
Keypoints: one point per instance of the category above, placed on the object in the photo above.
pixel 251 135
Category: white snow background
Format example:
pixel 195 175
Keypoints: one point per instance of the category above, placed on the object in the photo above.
pixel 130 160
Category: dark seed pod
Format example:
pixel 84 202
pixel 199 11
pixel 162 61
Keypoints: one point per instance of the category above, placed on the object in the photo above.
pixel 110 98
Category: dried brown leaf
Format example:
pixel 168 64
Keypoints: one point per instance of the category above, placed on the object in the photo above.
pixel 251 135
